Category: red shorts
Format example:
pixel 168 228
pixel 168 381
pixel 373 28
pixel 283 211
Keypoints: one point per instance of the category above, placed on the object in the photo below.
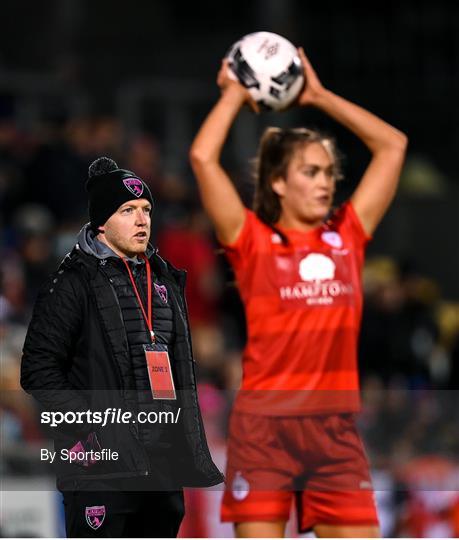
pixel 319 460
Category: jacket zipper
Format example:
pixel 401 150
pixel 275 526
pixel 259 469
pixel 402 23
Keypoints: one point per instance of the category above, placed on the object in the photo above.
pixel 147 459
pixel 119 307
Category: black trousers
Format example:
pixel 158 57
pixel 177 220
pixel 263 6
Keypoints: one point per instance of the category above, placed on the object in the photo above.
pixel 123 514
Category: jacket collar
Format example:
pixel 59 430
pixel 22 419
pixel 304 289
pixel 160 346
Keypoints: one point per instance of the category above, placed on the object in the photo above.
pixel 91 245
pixel 91 263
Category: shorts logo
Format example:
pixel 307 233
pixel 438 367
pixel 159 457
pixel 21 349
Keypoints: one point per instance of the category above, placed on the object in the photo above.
pixel 162 292
pixel 134 185
pixel 332 238
pixel 95 516
pixel 316 267
pixel 240 487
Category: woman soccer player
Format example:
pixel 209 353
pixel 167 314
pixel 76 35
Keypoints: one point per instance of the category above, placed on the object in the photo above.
pixel 298 266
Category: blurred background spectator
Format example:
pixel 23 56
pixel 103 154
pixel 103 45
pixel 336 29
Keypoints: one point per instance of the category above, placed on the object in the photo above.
pixel 80 79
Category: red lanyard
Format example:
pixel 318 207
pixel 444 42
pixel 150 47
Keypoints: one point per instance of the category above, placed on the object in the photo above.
pixel 149 319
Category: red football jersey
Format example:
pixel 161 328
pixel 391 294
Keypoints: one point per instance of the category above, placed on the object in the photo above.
pixel 303 305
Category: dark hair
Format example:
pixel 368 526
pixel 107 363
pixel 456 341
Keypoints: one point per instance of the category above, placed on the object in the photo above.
pixel 276 149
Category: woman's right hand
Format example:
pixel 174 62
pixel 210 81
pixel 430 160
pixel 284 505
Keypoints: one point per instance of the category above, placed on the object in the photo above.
pixel 226 81
pixel 313 88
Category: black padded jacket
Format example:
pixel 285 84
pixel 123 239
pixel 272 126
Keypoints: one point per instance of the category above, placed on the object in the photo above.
pixel 76 358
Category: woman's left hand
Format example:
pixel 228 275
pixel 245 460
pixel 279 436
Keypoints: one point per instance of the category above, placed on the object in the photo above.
pixel 313 88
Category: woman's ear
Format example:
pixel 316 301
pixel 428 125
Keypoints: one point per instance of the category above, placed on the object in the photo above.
pixel 278 185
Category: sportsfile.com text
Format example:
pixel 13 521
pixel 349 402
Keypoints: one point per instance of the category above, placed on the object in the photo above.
pixel 110 415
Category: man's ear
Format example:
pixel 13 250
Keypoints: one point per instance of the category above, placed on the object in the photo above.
pixel 278 185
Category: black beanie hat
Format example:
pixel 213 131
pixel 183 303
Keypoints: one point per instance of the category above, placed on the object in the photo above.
pixel 109 187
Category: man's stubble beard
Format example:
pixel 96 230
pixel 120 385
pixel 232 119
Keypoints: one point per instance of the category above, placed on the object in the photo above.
pixel 123 246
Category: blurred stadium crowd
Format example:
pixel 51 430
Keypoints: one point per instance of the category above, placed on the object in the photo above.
pixel 409 351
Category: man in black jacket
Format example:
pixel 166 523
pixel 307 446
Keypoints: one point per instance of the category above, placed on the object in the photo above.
pixel 108 355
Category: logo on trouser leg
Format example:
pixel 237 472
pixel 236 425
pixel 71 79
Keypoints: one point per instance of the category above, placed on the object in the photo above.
pixel 95 516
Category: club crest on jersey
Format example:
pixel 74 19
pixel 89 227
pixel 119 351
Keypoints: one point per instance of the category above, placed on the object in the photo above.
pixel 332 238
pixel 240 487
pixel 134 185
pixel 162 292
pixel 316 267
pixel 95 516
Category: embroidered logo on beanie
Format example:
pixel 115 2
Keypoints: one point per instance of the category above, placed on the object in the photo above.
pixel 134 185
pixel 109 187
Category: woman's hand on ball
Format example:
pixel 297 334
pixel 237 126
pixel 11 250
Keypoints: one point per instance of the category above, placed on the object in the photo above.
pixel 313 88
pixel 226 81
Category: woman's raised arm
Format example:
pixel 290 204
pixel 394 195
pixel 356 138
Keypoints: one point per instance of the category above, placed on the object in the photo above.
pixel 387 145
pixel 218 194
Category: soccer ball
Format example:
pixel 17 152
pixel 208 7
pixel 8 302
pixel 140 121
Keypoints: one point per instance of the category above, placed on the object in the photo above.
pixel 268 65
